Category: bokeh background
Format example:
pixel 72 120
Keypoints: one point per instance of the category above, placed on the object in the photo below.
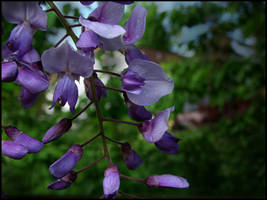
pixel 215 52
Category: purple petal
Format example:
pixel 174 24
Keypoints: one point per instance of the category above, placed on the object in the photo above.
pixel 104 30
pixel 13 149
pixel 30 143
pixel 111 182
pixel 31 56
pixel 87 3
pixel 132 53
pixel 139 113
pixel 19 41
pixel 66 90
pixel 167 180
pixel 131 158
pixel 18 12
pixel 132 82
pixel 111 44
pixel 27 98
pixel 157 84
pixel 58 185
pixel 108 13
pixel 9 71
pixel 154 129
pixel 135 26
pixel 32 81
pixel 57 130
pixel 168 144
pixel 87 39
pixel 66 163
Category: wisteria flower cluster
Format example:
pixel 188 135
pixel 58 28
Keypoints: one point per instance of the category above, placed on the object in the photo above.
pixel 143 83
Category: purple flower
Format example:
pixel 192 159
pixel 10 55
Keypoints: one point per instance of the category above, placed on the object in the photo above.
pixel 154 129
pixel 111 182
pixel 100 92
pixel 27 98
pixel 32 145
pixel 70 65
pixel 168 144
pixel 29 16
pixel 139 113
pixel 13 149
pixel 167 180
pixel 135 28
pixel 67 162
pixel 9 71
pixel 57 130
pixel 145 82
pixel 131 158
pixel 132 52
pixel 65 182
pixel 101 23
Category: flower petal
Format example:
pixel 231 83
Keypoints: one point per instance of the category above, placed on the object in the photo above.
pixel 131 158
pixel 33 145
pixel 108 13
pixel 32 81
pixel 9 71
pixel 31 56
pixel 157 84
pixel 104 30
pixel 167 180
pixel 87 3
pixel 132 53
pixel 13 149
pixel 36 16
pixel 168 144
pixel 27 98
pixel 14 11
pixel 135 26
pixel 111 182
pixel 58 185
pixel 139 113
pixel 111 44
pixel 87 39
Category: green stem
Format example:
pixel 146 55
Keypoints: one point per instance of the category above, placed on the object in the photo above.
pixel 93 88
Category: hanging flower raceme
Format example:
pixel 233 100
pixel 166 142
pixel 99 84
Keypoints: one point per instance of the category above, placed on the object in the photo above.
pixel 135 28
pixel 102 22
pixel 145 82
pixel 29 16
pixel 166 180
pixel 111 182
pixel 67 162
pixel 70 65
pixel 154 129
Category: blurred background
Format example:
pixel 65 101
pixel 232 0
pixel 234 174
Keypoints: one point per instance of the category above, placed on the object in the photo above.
pixel 215 52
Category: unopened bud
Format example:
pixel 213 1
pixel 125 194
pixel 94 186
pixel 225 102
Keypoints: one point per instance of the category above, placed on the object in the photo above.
pixel 13 149
pixel 131 158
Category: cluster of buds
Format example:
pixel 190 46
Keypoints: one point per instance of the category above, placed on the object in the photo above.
pixel 143 83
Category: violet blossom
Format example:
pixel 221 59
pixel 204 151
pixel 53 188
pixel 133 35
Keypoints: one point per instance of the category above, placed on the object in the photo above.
pixel 131 158
pixel 64 182
pixel 13 150
pixel 168 144
pixel 70 65
pixel 111 182
pixel 167 180
pixel 145 82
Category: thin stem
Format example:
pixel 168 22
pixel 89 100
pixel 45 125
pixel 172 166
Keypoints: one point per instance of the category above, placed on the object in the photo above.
pixel 90 165
pixel 63 21
pixel 133 179
pixel 49 10
pixel 115 141
pixel 88 105
pixel 61 40
pixel 71 17
pixel 107 72
pixel 75 25
pixel 110 88
pixel 92 139
pixel 130 196
pixel 121 121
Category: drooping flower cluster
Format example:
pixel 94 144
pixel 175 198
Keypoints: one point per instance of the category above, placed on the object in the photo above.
pixel 143 83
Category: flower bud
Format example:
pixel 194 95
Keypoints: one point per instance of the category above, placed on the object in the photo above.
pixel 67 162
pixel 168 144
pixel 139 113
pixel 111 182
pixel 65 182
pixel 9 71
pixel 57 130
pixel 100 92
pixel 131 158
pixel 166 180
pixel 13 149
pixel 19 137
